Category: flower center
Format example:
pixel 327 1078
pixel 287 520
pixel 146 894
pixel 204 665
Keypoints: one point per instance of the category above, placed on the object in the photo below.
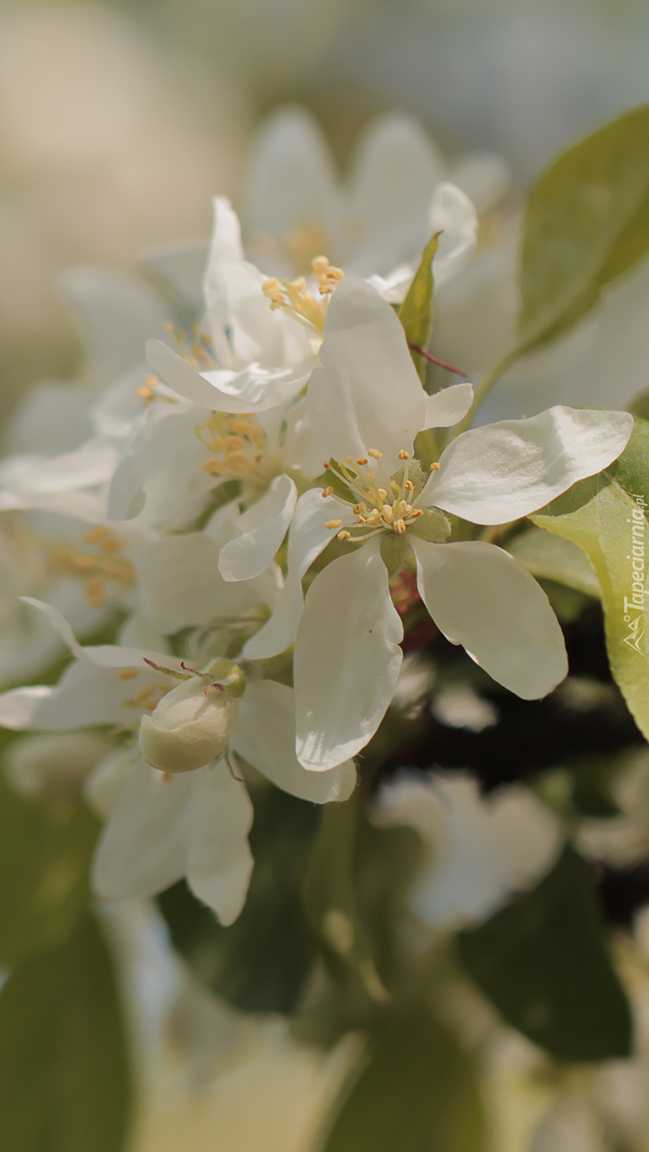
pixel 295 298
pixel 384 504
pixel 239 447
pixel 101 569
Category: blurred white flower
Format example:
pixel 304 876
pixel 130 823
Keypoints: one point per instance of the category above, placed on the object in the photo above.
pixel 478 851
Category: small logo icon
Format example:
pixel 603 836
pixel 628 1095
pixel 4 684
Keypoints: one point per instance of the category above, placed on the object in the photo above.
pixel 635 634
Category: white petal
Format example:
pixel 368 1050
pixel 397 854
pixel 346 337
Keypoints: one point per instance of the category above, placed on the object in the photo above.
pixel 181 586
pixel 179 268
pixel 395 170
pixel 307 538
pixel 347 658
pixel 482 598
pixel 144 845
pixel 452 213
pixel 502 471
pixel 291 182
pixel 483 177
pixel 265 736
pixel 262 527
pixel 449 406
pixel 225 245
pixel 367 393
pixel 105 655
pixel 116 313
pixel 220 861
pixel 253 389
pixel 30 476
pixel 19 706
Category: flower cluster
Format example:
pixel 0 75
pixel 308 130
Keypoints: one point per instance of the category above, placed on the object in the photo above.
pixel 242 511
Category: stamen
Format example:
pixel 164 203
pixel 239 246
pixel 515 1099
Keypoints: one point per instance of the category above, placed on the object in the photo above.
pixel 400 526
pixel 388 513
pixel 403 455
pixel 383 493
pixel 344 535
pixel 434 466
pixel 328 491
pixel 333 523
pixel 127 674
pixel 374 452
pixel 409 486
pixel 362 460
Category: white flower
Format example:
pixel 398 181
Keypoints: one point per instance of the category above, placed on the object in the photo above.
pixel 367 406
pixel 196 823
pixel 397 195
pixel 478 852
pixel 257 357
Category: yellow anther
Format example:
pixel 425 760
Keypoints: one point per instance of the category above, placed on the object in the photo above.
pixel 434 466
pixel 400 508
pixel 145 393
pixel 409 486
pixel 374 517
pixel 360 508
pixel 233 443
pixel 374 452
pixel 95 591
pixel 400 526
pixel 362 460
pixel 257 434
pixel 127 674
pixel 85 563
pixel 416 512
pixel 394 486
pixel 362 520
pixel 388 513
pixel 328 275
pixel 349 459
pixel 333 523
pixel 237 460
pixel 344 535
pixel 241 427
pixel 299 284
pixel 383 494
pixel 403 455
pixel 328 491
pixel 214 467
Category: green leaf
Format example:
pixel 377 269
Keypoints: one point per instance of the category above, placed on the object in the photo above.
pixel 64 1069
pixel 551 557
pixel 45 851
pixel 260 963
pixel 599 515
pixel 543 962
pixel 416 312
pixel 417 1090
pixel 587 222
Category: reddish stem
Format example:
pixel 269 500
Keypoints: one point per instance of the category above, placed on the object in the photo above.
pixel 434 360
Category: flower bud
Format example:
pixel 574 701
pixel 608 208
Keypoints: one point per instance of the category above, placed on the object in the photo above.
pixel 190 726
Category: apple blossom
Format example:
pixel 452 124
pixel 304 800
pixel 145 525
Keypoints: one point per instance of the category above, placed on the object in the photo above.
pixel 366 407
pixel 196 822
